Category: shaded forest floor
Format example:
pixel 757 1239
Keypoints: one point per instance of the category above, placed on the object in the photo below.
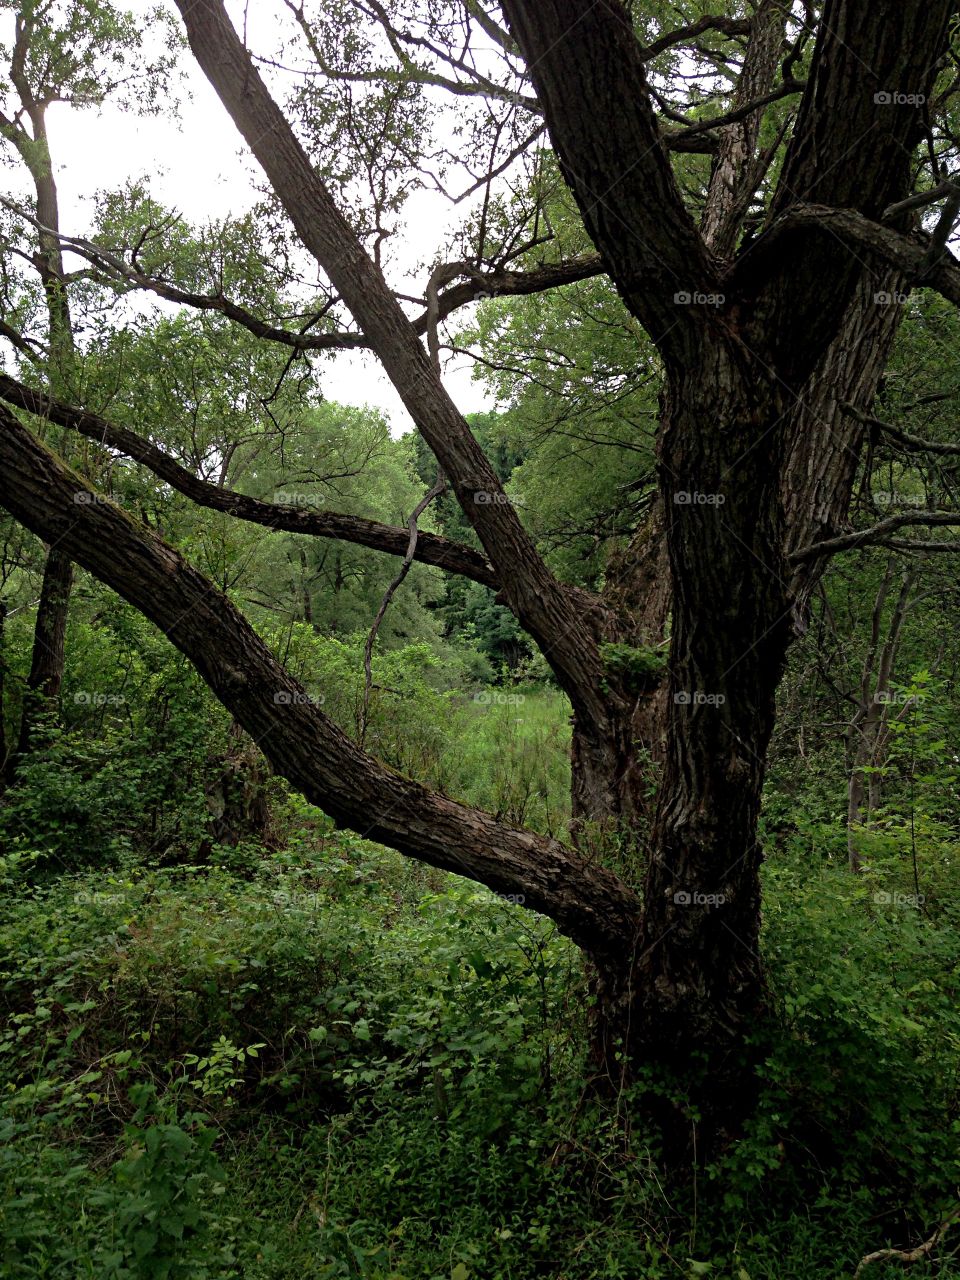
pixel 328 1062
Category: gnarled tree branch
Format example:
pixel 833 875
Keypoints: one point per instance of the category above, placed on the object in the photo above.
pixel 876 533
pixel 684 35
pixel 912 444
pixel 589 904
pixel 493 283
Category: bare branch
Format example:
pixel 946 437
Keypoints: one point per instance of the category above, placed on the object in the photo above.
pixel 941 232
pixel 29 347
pixel 920 200
pixel 477 85
pixel 675 139
pixel 502 167
pixel 877 533
pixel 912 443
pixel 497 282
pixel 489 27
pixel 685 35
pixel 919 544
pixel 911 1255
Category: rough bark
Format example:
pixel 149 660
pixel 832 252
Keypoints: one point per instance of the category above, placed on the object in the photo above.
pixel 577 52
pixel 697 982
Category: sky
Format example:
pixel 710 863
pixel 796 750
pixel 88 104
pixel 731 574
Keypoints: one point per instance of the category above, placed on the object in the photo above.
pixel 199 167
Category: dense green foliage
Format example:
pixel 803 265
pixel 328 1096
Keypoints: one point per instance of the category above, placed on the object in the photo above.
pixel 323 1061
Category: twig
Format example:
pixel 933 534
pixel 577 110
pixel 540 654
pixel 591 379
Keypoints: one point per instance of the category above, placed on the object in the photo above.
pixel 442 275
pixel 911 1255
pixel 404 569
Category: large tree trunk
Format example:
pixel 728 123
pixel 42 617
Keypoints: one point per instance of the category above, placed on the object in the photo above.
pixel 696 981
pixel 684 992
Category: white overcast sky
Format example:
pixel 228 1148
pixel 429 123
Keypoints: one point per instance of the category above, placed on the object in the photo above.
pixel 199 167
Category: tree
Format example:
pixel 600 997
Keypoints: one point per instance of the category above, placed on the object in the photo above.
pixel 56 57
pixel 765 259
